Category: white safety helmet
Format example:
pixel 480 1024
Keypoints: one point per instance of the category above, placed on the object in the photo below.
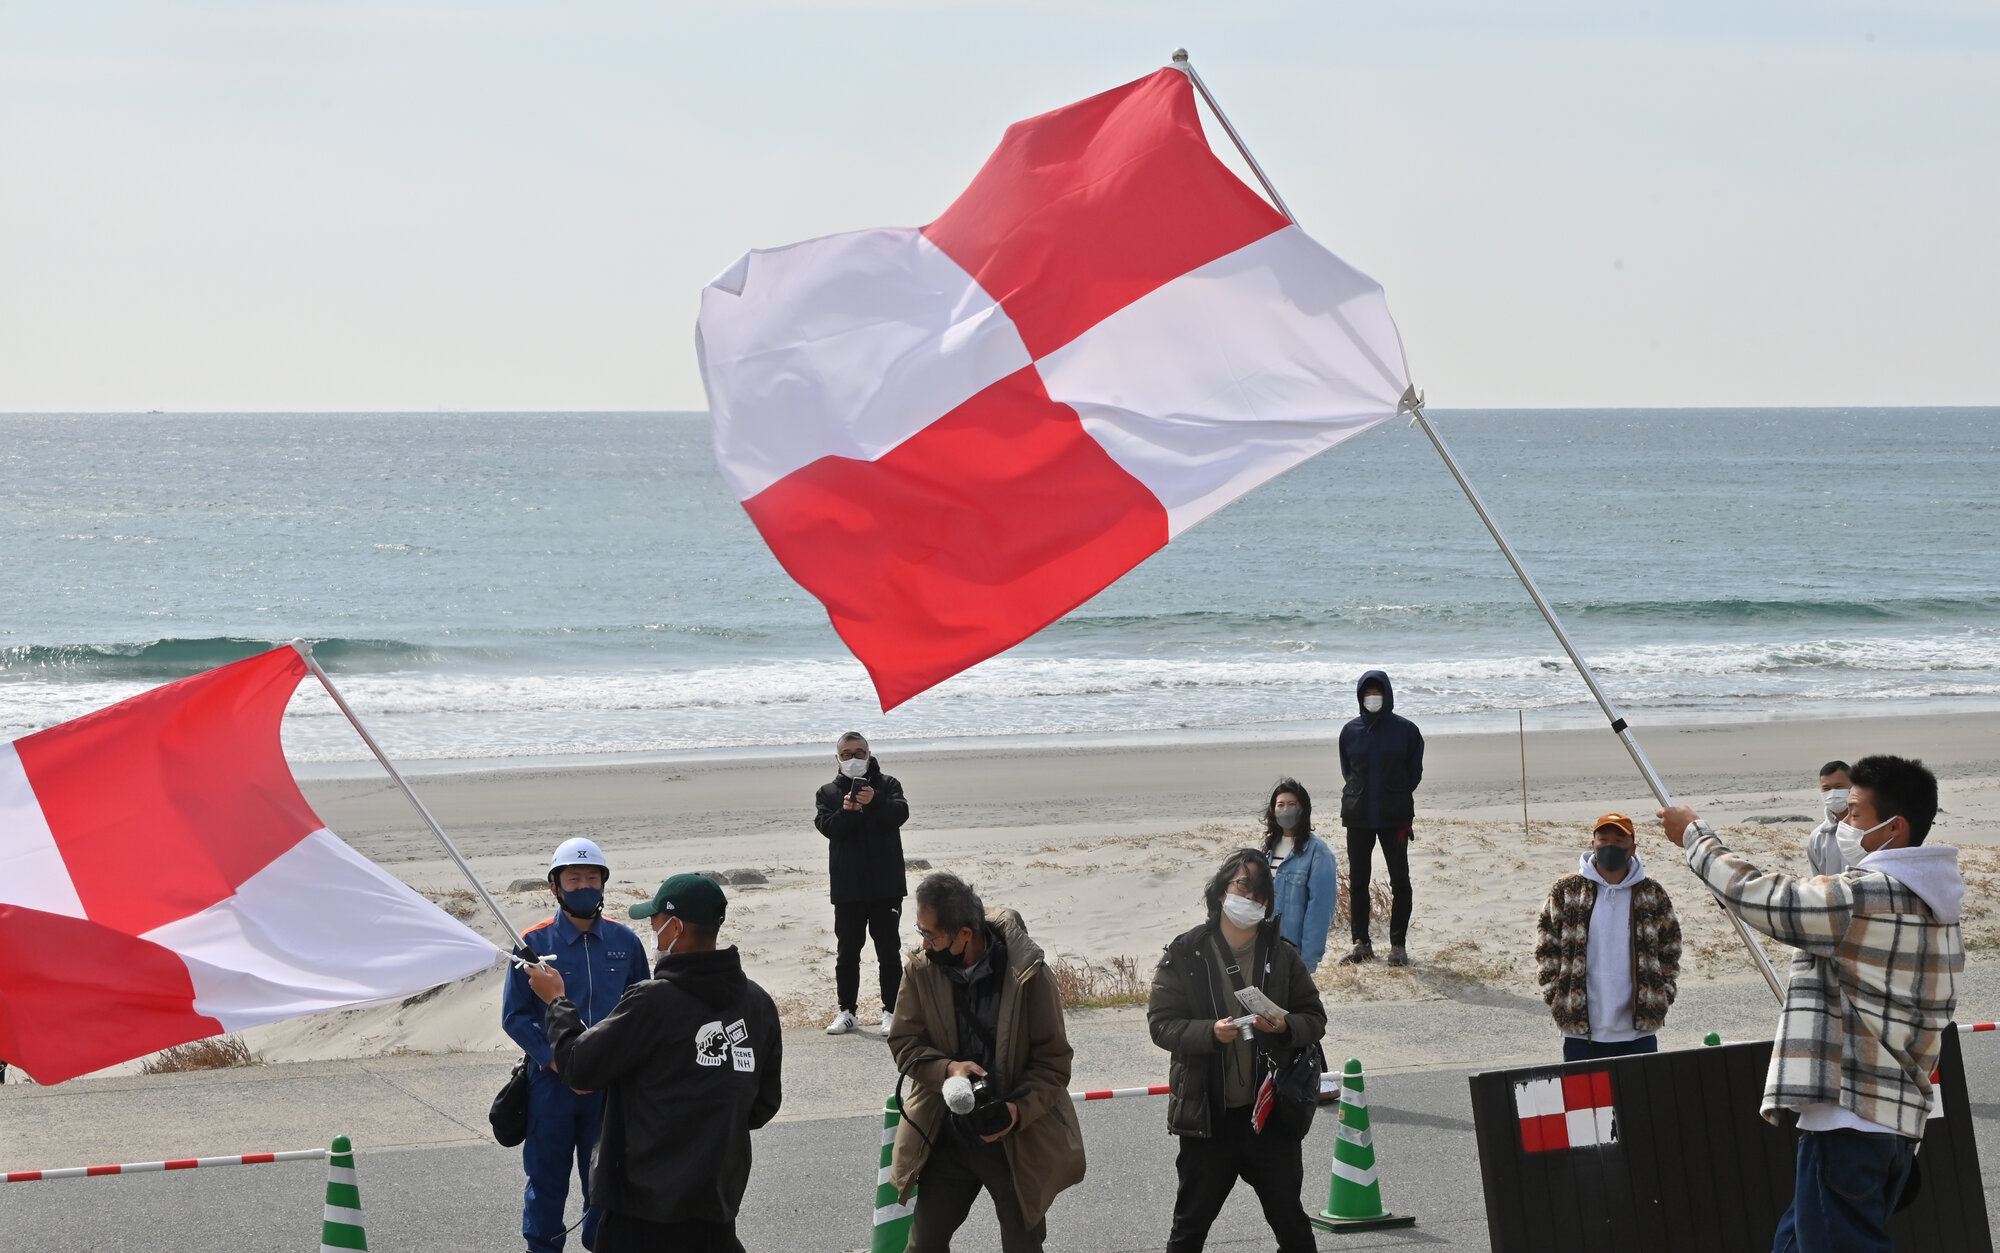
pixel 579 852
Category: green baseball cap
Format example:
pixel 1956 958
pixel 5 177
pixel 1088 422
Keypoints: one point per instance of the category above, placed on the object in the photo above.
pixel 689 897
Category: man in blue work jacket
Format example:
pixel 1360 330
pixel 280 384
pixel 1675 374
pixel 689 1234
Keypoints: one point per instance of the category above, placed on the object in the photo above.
pixel 598 960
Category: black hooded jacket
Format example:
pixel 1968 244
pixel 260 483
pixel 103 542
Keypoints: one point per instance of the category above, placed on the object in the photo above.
pixel 1385 751
pixel 865 848
pixel 691 1059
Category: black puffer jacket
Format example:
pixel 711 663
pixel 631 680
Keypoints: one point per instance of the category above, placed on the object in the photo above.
pixel 1189 996
pixel 865 847
pixel 691 1058
pixel 1385 751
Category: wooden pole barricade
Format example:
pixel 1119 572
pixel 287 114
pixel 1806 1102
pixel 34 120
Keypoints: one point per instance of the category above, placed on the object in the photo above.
pixel 1665 1152
pixel 176 1163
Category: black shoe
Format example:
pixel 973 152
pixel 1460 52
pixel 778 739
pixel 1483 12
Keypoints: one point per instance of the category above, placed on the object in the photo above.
pixel 1362 952
pixel 1398 955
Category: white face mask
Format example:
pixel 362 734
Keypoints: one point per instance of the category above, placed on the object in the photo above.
pixel 1851 848
pixel 1372 703
pixel 854 767
pixel 1835 800
pixel 1241 910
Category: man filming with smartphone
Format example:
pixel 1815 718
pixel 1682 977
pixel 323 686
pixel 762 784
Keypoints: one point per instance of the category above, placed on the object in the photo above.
pixel 978 1033
pixel 861 813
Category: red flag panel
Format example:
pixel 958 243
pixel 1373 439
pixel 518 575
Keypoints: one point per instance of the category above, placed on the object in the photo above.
pixel 1083 210
pixel 164 804
pixel 111 996
pixel 980 530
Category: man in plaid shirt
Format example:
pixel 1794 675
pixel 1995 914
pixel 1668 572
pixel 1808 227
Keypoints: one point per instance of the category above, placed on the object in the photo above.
pixel 1873 984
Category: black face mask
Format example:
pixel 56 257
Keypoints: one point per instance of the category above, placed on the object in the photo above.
pixel 945 959
pixel 582 902
pixel 1611 858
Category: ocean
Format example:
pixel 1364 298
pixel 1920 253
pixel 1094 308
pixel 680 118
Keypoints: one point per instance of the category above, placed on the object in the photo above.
pixel 526 587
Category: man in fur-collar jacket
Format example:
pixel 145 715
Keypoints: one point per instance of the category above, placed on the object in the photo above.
pixel 1609 948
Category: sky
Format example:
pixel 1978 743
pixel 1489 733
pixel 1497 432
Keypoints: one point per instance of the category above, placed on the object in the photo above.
pixel 287 206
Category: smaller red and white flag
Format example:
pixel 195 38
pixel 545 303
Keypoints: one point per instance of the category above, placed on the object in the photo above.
pixel 163 880
pixel 1566 1112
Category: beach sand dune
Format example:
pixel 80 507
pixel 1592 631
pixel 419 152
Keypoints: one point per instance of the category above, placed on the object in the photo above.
pixel 1105 851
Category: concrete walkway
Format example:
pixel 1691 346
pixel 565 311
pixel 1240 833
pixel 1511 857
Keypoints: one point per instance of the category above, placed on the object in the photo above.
pixel 425 1101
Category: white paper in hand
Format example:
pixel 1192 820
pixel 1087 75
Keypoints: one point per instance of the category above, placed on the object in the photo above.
pixel 1256 1002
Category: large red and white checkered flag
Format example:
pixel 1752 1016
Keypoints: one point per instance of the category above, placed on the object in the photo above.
pixel 954 435
pixel 162 880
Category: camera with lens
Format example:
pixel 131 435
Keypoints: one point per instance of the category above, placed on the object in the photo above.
pixel 978 1104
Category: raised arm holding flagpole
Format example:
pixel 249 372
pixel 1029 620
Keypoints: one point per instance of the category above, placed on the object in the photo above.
pixel 1412 403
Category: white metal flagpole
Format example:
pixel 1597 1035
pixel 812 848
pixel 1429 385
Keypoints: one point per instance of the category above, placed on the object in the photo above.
pixel 1413 404
pixel 304 650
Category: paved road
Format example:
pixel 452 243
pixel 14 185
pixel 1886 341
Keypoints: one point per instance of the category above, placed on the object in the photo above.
pixel 812 1189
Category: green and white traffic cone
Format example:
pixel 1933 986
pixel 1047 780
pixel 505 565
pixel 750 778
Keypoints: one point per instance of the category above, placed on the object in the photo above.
pixel 1354 1197
pixel 892 1217
pixel 341 1228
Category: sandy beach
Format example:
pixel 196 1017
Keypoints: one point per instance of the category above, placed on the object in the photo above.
pixel 1103 850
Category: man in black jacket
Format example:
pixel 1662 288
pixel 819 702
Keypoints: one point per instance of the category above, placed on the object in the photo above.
pixel 861 814
pixel 1382 761
pixel 692 1058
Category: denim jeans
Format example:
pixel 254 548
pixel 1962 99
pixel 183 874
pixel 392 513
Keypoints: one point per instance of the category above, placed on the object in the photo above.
pixel 1848 1184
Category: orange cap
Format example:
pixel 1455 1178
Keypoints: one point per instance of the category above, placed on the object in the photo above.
pixel 1615 820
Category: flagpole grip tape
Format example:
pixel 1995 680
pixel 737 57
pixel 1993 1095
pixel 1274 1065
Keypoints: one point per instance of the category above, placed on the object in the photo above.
pixel 1618 726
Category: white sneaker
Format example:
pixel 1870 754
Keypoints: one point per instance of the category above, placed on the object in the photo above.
pixel 843 1022
pixel 888 1016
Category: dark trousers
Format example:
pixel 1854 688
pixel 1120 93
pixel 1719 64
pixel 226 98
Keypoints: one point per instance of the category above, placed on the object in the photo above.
pixel 1848 1185
pixel 621 1233
pixel 1575 1050
pixel 1396 856
pixel 1269 1163
pixel 950 1183
pixel 562 1132
pixel 853 922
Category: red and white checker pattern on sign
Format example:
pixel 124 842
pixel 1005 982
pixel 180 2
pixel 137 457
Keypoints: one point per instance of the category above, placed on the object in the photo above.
pixel 1566 1112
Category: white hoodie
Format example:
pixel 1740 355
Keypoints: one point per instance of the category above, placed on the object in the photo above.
pixel 1607 985
pixel 1929 870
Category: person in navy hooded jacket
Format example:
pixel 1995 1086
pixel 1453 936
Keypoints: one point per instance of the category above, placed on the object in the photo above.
pixel 1382 760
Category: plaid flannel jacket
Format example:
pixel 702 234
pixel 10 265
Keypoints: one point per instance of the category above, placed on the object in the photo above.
pixel 1873 984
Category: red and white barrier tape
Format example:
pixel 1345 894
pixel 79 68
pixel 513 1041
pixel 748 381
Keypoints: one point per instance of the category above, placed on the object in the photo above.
pixel 1159 1089
pixel 1105 1094
pixel 1980 1026
pixel 180 1163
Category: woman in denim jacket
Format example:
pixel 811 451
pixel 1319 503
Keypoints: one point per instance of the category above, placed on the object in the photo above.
pixel 1305 872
